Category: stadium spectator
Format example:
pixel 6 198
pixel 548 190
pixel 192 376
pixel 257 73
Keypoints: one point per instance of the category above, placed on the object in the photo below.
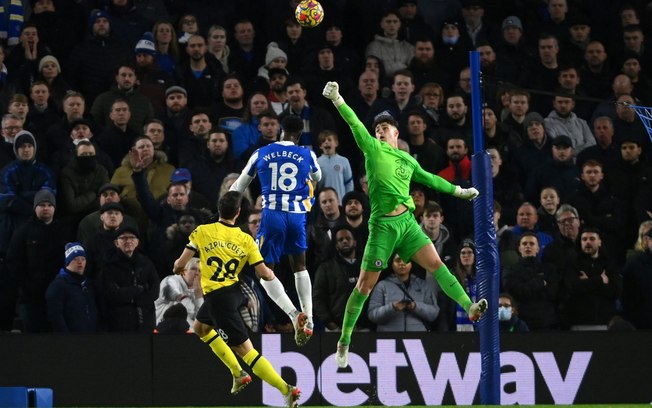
pixel 92 223
pixel 99 242
pixel 402 302
pixel 139 105
pixel 152 80
pixel 130 285
pixel 167 46
pixel 184 289
pixel 563 121
pixel 71 301
pixel 595 285
pixel 45 236
pixel 80 130
pixel 392 51
pixel 158 173
pixel 315 118
pixel 534 285
pixel 80 179
pixel 333 281
pixel 218 47
pixel 200 74
pixel 117 137
pixel 92 63
pixel 20 180
pixel 637 307
pixel 49 71
pixel 229 108
pixel 246 54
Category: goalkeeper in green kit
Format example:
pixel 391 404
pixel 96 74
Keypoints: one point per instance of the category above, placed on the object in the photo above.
pixel 392 227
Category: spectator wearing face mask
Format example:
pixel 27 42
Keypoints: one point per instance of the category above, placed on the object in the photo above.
pixel 508 319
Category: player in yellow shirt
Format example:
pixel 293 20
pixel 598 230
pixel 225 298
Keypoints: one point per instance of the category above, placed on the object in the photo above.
pixel 223 250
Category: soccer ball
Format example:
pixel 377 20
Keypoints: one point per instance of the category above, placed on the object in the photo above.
pixel 309 13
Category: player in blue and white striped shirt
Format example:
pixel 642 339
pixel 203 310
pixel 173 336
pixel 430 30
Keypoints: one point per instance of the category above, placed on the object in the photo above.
pixel 288 174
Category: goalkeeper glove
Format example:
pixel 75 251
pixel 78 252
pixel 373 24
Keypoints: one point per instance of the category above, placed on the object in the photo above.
pixel 332 92
pixel 465 193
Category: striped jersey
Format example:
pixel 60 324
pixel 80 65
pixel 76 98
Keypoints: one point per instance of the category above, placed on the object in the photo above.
pixel 285 171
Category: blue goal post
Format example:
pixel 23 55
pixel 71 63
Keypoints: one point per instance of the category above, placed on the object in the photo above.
pixel 487 260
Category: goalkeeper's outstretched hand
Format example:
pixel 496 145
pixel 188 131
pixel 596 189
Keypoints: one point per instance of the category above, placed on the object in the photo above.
pixel 477 310
pixel 466 193
pixel 332 92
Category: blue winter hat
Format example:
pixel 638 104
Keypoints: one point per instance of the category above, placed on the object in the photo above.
pixel 95 14
pixel 146 44
pixel 73 250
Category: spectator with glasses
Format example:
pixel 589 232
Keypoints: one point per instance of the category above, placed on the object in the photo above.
pixel 11 125
pixel 130 285
pixel 432 101
pixel 564 249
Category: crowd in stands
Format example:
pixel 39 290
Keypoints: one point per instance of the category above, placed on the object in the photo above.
pixel 123 121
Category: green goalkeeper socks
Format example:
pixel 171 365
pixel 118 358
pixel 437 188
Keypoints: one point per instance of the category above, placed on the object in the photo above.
pixel 351 315
pixel 451 287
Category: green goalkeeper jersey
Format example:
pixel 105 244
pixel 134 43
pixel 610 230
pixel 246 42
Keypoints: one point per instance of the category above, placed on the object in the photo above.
pixel 389 170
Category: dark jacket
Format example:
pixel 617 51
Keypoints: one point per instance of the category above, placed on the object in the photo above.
pixel 534 285
pixel 637 286
pixel 64 157
pixel 71 303
pixel 162 214
pixel 92 64
pixel 97 246
pixel 207 174
pixel 564 176
pixel 513 325
pixel 140 107
pixel 318 118
pixel 35 254
pixel 78 188
pixel 334 281
pixel 389 104
pixel 203 90
pixel 116 143
pixel 591 301
pixel 130 287
pixel 19 182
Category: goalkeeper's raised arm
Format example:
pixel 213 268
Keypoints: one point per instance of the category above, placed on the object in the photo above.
pixel 332 92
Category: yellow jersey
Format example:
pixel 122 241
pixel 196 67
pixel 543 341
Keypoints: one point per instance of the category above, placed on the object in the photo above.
pixel 223 251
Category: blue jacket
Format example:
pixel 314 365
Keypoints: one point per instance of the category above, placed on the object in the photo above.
pixel 71 303
pixel 19 182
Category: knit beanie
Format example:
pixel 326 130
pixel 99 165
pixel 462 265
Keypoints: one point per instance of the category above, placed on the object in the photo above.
pixel 273 52
pixel 146 44
pixel 355 195
pixel 49 58
pixel 44 196
pixel 73 250
pixel 23 137
pixel 95 14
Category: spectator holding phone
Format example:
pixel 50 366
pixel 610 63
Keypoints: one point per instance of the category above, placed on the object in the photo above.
pixel 402 302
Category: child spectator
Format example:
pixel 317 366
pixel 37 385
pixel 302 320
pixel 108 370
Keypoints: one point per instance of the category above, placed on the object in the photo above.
pixel 335 169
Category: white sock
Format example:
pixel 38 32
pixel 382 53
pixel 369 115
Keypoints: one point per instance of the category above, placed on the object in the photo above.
pixel 276 292
pixel 304 290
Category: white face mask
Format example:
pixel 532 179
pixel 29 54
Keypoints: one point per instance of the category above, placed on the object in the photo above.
pixel 451 40
pixel 504 313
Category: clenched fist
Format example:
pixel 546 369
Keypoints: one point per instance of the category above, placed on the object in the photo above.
pixel 466 193
pixel 332 92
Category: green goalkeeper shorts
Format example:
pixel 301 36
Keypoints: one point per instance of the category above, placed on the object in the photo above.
pixel 387 235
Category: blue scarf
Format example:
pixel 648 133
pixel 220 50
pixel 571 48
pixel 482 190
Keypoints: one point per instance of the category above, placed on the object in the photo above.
pixel 11 21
